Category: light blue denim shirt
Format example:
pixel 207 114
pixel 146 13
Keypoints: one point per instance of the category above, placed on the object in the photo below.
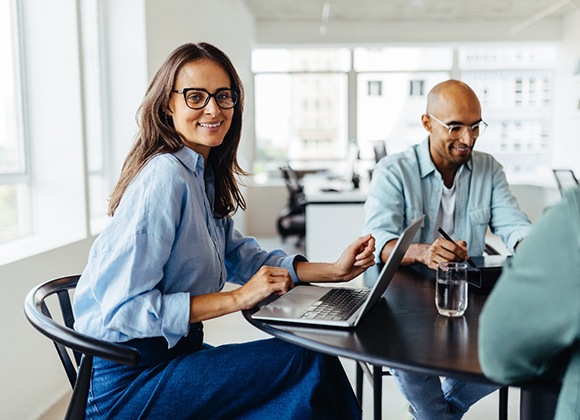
pixel 407 185
pixel 162 246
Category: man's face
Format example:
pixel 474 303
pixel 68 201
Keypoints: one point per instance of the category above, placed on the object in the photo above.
pixel 453 109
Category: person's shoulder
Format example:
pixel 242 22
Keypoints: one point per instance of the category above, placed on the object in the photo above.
pixel 165 168
pixel 571 201
pixel 406 157
pixel 171 163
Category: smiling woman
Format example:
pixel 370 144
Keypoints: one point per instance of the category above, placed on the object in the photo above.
pixel 158 268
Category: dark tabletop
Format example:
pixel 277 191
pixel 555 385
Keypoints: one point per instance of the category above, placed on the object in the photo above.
pixel 403 330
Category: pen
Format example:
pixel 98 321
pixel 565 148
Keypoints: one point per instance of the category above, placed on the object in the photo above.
pixel 446 236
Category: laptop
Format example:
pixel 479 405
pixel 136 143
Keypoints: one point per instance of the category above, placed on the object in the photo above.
pixel 336 306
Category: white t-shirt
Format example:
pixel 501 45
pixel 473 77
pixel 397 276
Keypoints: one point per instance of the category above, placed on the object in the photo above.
pixel 446 212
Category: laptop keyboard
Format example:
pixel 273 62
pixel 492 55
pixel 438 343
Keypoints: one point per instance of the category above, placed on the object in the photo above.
pixel 337 304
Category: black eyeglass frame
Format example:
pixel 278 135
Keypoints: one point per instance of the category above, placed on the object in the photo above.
pixel 235 97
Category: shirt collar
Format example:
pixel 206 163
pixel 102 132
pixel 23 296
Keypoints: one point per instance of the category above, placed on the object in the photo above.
pixel 191 159
pixel 426 165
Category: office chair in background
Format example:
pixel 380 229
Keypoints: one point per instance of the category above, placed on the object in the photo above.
pixel 292 219
pixel 565 179
pixel 380 150
pixel 76 350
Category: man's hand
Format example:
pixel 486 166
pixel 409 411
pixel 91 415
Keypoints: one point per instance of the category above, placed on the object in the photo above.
pixel 443 250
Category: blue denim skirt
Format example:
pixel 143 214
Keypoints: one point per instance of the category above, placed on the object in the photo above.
pixel 261 379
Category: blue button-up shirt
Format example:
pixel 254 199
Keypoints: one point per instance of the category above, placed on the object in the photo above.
pixel 407 185
pixel 162 246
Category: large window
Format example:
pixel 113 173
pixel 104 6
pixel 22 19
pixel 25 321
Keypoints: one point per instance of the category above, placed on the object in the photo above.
pixel 14 196
pixel 311 104
pixel 93 82
pixel 52 161
pixel 302 97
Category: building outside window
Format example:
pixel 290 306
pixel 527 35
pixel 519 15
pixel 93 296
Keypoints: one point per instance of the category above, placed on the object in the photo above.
pixel 417 88
pixel 379 96
pixel 374 88
pixel 301 96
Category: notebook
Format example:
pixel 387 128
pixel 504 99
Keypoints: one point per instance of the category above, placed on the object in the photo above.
pixel 337 306
pixel 486 272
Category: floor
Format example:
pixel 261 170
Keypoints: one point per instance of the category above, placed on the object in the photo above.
pixel 233 328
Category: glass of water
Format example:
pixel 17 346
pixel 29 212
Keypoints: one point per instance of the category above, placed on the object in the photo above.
pixel 451 288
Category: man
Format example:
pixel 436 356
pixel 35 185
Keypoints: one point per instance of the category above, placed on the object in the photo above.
pixel 530 325
pixel 461 190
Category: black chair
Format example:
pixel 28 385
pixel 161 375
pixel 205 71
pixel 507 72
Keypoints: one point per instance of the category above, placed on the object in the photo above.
pixel 76 351
pixel 565 179
pixel 292 219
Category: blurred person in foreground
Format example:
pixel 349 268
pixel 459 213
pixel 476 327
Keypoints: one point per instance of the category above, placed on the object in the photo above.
pixel 530 324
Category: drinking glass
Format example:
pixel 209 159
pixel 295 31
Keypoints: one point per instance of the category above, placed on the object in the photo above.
pixel 451 288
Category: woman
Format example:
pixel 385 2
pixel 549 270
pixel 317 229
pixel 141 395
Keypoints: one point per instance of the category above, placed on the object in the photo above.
pixel 156 271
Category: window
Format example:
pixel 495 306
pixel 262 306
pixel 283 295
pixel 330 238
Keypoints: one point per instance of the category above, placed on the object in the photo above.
pixel 14 192
pixel 94 131
pixel 329 98
pixel 517 86
pixel 417 88
pixel 301 96
pixel 374 88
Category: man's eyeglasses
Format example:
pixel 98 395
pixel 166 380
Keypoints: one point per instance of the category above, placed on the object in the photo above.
pixel 198 98
pixel 456 131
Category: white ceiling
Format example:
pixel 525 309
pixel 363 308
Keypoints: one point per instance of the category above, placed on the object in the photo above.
pixel 409 10
pixel 352 21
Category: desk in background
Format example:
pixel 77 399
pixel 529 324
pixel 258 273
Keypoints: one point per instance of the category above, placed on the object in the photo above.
pixel 334 219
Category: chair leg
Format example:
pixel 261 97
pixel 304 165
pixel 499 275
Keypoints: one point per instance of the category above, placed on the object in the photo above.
pixel 503 403
pixel 359 383
pixel 377 392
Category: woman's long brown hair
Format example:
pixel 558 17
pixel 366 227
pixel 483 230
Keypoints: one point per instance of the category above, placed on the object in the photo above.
pixel 157 133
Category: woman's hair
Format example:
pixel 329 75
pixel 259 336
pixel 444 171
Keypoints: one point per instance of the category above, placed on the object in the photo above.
pixel 157 133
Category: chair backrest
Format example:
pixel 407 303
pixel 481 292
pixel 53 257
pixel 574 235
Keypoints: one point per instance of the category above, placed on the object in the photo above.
pixel 380 150
pixel 75 350
pixel 295 190
pixel 565 179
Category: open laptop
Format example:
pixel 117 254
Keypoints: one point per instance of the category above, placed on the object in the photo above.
pixel 337 306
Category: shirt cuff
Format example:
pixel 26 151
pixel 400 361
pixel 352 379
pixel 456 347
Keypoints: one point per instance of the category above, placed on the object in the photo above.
pixel 516 237
pixel 288 263
pixel 381 239
pixel 175 317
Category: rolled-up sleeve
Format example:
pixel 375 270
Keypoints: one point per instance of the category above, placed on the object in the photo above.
pixel 387 204
pixel 507 220
pixel 244 256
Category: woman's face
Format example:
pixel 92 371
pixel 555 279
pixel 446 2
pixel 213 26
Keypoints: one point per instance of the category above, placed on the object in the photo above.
pixel 201 129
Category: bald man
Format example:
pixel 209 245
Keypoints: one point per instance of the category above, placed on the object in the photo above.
pixel 459 189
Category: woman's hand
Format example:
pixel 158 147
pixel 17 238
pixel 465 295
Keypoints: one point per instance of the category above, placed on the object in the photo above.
pixel 267 281
pixel 356 258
